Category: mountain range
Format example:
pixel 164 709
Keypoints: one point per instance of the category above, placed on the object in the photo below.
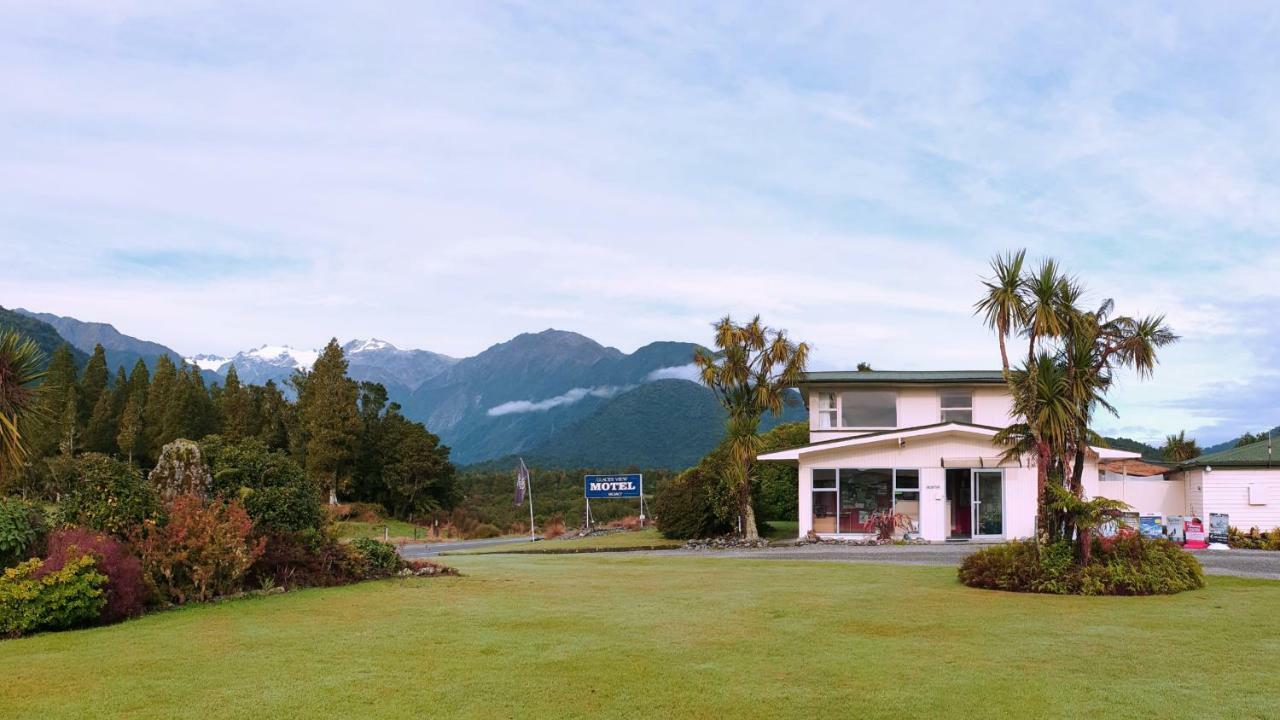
pixel 555 396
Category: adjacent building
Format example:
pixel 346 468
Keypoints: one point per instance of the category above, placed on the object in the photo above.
pixel 1243 483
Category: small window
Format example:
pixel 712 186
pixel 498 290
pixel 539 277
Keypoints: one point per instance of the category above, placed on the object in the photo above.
pixel 824 479
pixel 826 411
pixel 869 409
pixel 957 406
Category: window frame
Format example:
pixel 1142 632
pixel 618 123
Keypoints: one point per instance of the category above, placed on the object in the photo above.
pixel 894 490
pixel 855 391
pixel 832 411
pixel 943 409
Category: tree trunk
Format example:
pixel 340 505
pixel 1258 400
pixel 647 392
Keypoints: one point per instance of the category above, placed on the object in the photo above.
pixel 333 490
pixel 1086 546
pixel 1042 479
pixel 1077 473
pixel 1004 357
pixel 749 521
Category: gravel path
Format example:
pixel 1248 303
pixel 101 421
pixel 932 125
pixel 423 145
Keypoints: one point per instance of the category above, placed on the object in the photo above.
pixel 1241 563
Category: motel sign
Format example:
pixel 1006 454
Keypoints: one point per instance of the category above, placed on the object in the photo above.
pixel 599 487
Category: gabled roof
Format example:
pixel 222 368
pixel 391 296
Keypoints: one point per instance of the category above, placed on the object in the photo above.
pixel 1259 454
pixel 904 377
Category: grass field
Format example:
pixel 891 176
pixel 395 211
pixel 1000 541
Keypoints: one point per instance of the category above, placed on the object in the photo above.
pixel 783 530
pixel 398 530
pixel 638 539
pixel 623 635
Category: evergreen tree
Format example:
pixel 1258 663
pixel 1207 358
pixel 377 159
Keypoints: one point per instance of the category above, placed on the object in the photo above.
pixel 59 382
pixel 328 418
pixel 93 383
pixel 100 436
pixel 69 424
pixel 417 477
pixel 235 404
pixel 158 415
pixel 129 438
pixel 272 415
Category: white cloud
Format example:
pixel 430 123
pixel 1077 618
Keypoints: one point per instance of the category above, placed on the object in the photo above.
pixel 676 372
pixel 568 398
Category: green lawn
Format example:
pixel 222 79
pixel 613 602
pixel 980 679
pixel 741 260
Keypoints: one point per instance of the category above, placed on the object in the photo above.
pixel 618 635
pixel 398 530
pixel 783 530
pixel 647 538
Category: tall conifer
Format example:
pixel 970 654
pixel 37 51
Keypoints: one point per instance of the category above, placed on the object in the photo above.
pixel 328 418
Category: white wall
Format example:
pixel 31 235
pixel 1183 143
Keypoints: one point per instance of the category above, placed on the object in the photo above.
pixel 1147 496
pixel 921 406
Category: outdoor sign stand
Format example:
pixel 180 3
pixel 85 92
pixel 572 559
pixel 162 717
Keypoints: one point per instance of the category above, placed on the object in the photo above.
pixel 630 485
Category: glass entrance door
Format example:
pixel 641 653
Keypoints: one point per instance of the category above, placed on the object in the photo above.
pixel 988 502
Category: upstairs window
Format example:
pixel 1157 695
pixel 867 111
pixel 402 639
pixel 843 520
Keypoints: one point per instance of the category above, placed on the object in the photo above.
pixel 826 411
pixel 869 409
pixel 957 406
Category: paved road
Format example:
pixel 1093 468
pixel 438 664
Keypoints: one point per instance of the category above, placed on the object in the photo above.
pixel 1241 563
pixel 422 550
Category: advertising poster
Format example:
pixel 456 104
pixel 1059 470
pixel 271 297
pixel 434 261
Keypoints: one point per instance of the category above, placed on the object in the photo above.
pixel 1218 524
pixel 1129 520
pixel 1195 534
pixel 1175 529
pixel 1151 526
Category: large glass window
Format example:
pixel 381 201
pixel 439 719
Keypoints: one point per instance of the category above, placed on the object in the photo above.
pixel 845 499
pixel 862 493
pixel 869 409
pixel 826 411
pixel 957 406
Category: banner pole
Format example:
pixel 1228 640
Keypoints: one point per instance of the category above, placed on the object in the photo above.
pixel 530 490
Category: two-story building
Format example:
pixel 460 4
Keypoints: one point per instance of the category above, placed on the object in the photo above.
pixel 919 443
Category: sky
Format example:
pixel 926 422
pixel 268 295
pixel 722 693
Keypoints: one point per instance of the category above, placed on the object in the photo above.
pixel 219 175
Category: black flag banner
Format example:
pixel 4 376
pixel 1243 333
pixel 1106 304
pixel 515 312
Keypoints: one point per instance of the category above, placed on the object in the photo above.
pixel 522 483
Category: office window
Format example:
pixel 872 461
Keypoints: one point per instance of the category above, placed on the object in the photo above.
pixel 827 410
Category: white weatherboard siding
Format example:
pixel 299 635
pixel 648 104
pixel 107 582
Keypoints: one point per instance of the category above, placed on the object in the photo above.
pixel 1228 491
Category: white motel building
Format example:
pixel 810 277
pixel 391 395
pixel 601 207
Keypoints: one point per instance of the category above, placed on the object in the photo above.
pixel 921 443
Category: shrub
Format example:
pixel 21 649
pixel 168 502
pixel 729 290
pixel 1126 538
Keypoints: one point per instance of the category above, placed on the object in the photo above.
pixel 306 559
pixel 125 590
pixel 357 512
pixel 380 559
pixel 22 530
pixel 274 489
pixel 686 508
pixel 553 528
pixel 109 495
pixel 483 531
pixel 70 597
pixel 202 552
pixel 1254 539
pixel 1124 565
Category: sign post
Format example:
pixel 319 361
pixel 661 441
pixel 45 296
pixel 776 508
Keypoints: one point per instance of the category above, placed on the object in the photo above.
pixel 608 487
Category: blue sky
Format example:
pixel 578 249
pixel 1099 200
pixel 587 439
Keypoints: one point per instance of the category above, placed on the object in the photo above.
pixel 445 175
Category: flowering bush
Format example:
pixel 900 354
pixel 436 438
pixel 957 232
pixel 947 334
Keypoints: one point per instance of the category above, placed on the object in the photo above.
pixel 125 591
pixel 202 552
pixel 69 597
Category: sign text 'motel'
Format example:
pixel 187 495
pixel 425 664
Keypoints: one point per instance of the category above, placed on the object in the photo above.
pixel 612 486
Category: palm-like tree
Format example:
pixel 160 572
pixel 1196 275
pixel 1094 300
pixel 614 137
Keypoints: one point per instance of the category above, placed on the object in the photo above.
pixel 1179 448
pixel 750 374
pixel 20 369
pixel 1004 306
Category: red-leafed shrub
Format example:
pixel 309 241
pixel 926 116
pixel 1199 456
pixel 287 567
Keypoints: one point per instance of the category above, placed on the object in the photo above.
pixel 126 592
pixel 203 551
pixel 553 528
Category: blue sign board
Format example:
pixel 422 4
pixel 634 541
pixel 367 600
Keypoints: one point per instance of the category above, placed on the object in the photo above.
pixel 613 486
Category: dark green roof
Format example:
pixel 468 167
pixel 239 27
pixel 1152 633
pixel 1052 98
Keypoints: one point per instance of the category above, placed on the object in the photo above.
pixel 1257 454
pixel 905 377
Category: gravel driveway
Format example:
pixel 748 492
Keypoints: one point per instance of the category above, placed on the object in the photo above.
pixel 1241 563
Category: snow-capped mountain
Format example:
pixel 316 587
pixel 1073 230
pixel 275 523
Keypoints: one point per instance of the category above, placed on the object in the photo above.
pixel 213 363
pixel 400 371
pixel 256 366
